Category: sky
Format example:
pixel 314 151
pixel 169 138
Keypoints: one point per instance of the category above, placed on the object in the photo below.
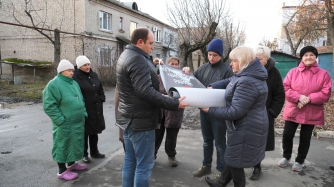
pixel 261 18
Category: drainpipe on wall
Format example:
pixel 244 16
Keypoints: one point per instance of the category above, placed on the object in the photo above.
pixel 34 74
pixel 13 71
pixel 0 63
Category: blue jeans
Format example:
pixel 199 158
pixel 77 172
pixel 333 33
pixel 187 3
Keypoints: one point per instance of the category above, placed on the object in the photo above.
pixel 138 158
pixel 213 130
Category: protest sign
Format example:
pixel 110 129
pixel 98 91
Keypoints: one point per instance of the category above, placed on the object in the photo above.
pixel 174 77
pixel 179 84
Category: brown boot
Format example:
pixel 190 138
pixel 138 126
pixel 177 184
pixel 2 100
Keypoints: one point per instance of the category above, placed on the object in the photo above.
pixel 172 161
pixel 203 170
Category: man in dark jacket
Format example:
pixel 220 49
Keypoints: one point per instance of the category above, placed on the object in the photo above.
pixel 213 130
pixel 139 107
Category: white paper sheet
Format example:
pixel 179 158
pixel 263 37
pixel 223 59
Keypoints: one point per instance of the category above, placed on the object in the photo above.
pixel 200 97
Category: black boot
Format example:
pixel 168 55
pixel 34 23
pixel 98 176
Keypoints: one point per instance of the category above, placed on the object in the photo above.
pixel 255 175
pixel 331 167
pixel 220 180
pixel 214 182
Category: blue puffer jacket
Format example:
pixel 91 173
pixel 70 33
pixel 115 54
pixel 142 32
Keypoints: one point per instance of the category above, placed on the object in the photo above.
pixel 245 114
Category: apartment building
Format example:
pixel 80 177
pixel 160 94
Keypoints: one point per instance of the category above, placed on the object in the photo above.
pixel 287 13
pixel 99 29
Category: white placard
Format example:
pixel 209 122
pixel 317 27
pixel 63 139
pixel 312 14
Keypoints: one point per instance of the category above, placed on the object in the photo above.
pixel 200 97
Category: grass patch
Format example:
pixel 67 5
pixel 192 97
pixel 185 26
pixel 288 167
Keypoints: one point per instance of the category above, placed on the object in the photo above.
pixel 24 92
pixel 34 63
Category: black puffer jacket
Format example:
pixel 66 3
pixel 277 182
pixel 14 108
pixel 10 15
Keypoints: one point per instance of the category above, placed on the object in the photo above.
pixel 209 73
pixel 245 114
pixel 138 87
pixel 94 97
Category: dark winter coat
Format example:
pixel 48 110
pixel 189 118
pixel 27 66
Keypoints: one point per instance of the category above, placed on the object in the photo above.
pixel 245 114
pixel 140 101
pixel 93 94
pixel 64 104
pixel 173 119
pixel 275 100
pixel 209 73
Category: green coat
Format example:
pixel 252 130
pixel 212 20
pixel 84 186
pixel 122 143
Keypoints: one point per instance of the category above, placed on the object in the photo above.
pixel 64 104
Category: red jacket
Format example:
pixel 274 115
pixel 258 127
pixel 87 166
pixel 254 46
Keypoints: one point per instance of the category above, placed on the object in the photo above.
pixel 313 82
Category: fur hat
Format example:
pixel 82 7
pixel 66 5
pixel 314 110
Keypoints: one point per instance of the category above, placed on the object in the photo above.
pixel 81 60
pixel 64 65
pixel 216 45
pixel 308 49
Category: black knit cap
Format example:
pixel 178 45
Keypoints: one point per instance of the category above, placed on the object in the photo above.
pixel 308 49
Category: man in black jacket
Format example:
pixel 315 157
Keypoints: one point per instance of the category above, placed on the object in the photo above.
pixel 139 107
pixel 213 130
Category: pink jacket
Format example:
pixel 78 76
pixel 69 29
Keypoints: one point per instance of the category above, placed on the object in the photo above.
pixel 313 82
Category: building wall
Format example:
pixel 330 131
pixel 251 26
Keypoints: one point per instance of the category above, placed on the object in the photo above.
pixel 284 63
pixel 6 71
pixel 198 59
pixel 287 12
pixel 326 62
pixel 27 74
pixel 80 17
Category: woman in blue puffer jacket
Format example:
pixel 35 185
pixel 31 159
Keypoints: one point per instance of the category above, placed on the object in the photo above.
pixel 245 114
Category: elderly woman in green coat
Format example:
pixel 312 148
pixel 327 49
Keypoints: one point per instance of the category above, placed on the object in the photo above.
pixel 64 104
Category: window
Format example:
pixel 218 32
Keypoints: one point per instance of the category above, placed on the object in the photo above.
pixel 120 48
pixel 324 43
pixel 157 35
pixel 105 21
pixel 106 56
pixel 121 23
pixel 133 26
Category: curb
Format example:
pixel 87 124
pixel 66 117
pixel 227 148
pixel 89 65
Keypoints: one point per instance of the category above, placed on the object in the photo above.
pixel 322 134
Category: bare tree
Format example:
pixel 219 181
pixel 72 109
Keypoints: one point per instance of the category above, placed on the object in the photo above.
pixel 326 8
pixel 232 34
pixel 329 16
pixel 170 42
pixel 40 16
pixel 305 24
pixel 196 21
pixel 107 60
pixel 273 45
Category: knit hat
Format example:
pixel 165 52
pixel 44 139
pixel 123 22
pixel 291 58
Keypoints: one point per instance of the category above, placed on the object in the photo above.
pixel 217 46
pixel 64 65
pixel 308 49
pixel 81 60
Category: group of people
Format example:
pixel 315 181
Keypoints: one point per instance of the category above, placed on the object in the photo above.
pixel 74 102
pixel 249 133
pixel 241 131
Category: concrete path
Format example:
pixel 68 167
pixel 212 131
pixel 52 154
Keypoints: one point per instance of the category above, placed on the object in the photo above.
pixel 189 148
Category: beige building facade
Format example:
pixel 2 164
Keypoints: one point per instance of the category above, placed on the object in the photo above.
pixel 99 29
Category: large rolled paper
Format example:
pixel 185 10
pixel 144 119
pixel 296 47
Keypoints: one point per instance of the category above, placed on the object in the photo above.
pixel 200 97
